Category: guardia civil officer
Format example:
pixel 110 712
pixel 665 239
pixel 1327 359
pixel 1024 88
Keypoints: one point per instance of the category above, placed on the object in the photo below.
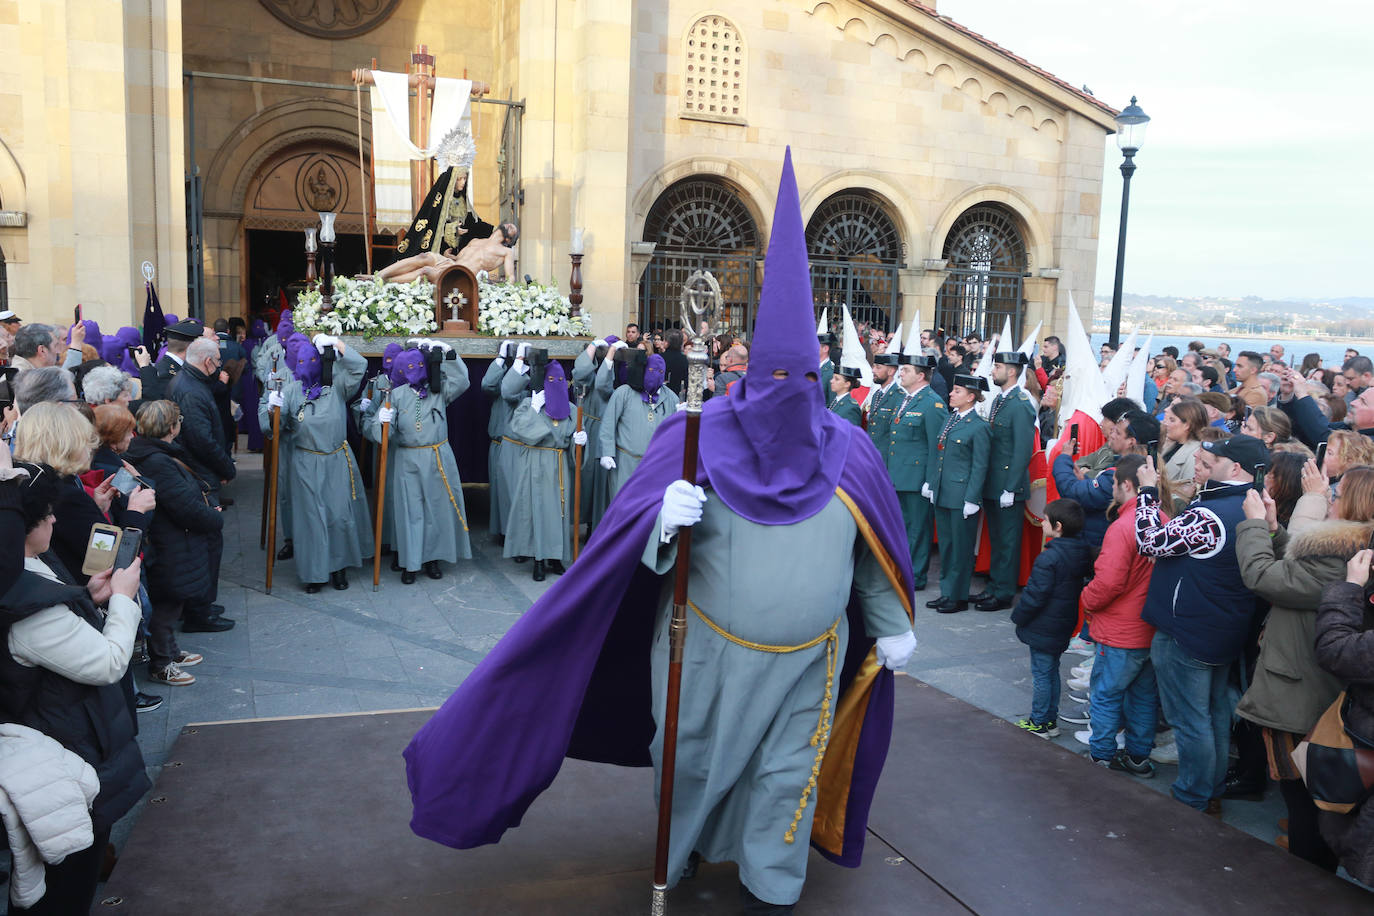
pixel 827 342
pixel 914 417
pixel 1011 423
pixel 959 468
pixel 842 385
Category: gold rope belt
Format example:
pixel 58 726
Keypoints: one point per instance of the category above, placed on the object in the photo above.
pixel 439 462
pixel 352 491
pixel 821 737
pixel 630 453
pixel 562 508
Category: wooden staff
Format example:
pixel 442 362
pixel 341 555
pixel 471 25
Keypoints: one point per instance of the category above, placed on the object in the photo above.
pixel 381 501
pixel 677 632
pixel 270 471
pixel 577 479
pixel 272 483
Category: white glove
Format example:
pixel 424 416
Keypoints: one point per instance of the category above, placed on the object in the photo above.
pixel 441 345
pixel 895 651
pixel 619 345
pixel 521 351
pixel 505 348
pixel 682 504
pixel 608 462
pixel 970 509
pixel 323 340
pixel 274 399
pixel 1006 499
pixel 580 437
pixel 598 343
pixel 537 400
pixel 927 492
pixel 386 414
pixel 365 405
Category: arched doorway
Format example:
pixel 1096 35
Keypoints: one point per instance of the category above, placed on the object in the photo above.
pixel 855 249
pixel 700 224
pixel 986 254
pixel 284 199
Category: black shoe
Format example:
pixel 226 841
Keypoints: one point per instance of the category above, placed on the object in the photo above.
pixel 754 905
pixel 1245 789
pixel 950 606
pixel 539 570
pixel 689 870
pixel 993 603
pixel 555 566
pixel 433 571
pixel 396 563
pixel 935 602
pixel 313 587
pixel 339 579
pixel 146 702
pixel 1136 766
pixel 407 577
pixel 522 559
pixel 216 624
pixel 980 597
pixel 288 550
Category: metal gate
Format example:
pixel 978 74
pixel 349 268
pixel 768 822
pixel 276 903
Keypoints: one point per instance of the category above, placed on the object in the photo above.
pixel 987 264
pixel 855 250
pixel 661 288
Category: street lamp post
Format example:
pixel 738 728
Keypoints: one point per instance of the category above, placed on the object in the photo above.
pixel 1130 137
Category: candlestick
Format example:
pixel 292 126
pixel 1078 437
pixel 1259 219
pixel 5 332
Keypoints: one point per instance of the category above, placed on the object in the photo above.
pixel 575 284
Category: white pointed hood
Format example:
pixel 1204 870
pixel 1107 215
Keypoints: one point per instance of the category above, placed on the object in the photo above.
pixel 1083 388
pixel 852 354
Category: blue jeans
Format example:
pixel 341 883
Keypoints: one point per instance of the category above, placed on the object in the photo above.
pixel 1198 701
pixel 1044 686
pixel 1122 678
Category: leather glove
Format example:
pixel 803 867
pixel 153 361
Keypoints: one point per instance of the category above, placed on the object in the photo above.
pixel 365 404
pixel 927 492
pixel 682 504
pixel 386 414
pixel 895 651
pixel 1006 499
pixel 521 350
pixel 274 399
pixel 580 437
pixel 970 509
pixel 608 462
pixel 537 400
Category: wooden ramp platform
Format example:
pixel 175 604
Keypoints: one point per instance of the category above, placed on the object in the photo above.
pixel 310 816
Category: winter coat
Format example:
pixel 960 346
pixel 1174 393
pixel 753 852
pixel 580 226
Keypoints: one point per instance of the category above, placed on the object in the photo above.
pixel 76 512
pixel 46 793
pixel 44 619
pixel 1311 509
pixel 1345 647
pixel 1093 493
pixel 186 529
pixel 1047 611
pixel 202 432
pixel 1115 597
pixel 1290 691
pixel 11 534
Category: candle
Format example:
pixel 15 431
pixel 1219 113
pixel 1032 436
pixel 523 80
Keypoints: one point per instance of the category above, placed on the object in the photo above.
pixel 576 246
pixel 310 244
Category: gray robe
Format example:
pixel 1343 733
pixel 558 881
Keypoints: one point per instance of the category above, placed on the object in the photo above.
pixel 372 431
pixel 512 388
pixel 595 396
pixel 539 524
pixel 735 799
pixel 498 497
pixel 425 493
pixel 330 523
pixel 285 447
pixel 627 427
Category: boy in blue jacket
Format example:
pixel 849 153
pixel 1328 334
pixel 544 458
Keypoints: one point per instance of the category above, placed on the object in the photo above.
pixel 1047 613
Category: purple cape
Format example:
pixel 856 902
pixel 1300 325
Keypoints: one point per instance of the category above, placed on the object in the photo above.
pixel 572 676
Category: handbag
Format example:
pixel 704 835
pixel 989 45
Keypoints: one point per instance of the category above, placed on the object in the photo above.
pixel 1337 770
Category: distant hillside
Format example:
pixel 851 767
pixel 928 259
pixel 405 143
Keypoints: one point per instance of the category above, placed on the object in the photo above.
pixel 1348 315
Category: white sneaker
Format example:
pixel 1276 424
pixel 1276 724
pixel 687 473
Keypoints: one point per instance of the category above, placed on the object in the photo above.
pixel 1165 753
pixel 1080 646
pixel 1079 699
pixel 1086 737
pixel 1078 683
pixel 1082 670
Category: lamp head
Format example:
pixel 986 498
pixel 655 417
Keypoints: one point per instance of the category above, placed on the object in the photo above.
pixel 1130 128
pixel 327 227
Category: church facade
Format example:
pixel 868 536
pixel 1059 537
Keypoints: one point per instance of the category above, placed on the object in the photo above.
pixel 940 174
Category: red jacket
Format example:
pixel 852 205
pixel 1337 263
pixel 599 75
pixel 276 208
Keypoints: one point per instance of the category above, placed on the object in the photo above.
pixel 1114 599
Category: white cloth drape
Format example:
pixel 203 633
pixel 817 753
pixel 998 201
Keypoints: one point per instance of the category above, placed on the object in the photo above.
pixel 392 149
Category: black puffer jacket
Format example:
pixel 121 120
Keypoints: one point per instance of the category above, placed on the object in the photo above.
pixel 202 433
pixel 186 530
pixel 1047 611
pixel 94 722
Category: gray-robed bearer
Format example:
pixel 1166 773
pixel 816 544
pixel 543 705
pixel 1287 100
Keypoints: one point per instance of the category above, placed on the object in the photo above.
pixel 1011 428
pixel 497 422
pixel 633 413
pixel 586 371
pixel 541 431
pixel 959 466
pixel 269 364
pixel 365 415
pixel 423 488
pixel 330 523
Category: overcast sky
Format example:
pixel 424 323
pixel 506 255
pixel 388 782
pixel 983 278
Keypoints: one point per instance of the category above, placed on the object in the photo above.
pixel 1257 174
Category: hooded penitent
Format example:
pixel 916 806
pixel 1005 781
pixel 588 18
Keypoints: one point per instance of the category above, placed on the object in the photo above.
pixel 389 356
pixel 408 368
pixel 285 326
pixel 556 392
pixel 125 337
pixel 92 333
pixel 654 373
pixel 305 364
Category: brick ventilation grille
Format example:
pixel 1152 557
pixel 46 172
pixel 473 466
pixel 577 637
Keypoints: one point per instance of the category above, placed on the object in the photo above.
pixel 715 70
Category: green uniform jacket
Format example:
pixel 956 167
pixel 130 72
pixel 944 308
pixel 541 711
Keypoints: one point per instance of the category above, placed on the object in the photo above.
pixel 827 372
pixel 880 406
pixel 958 471
pixel 1013 440
pixel 848 408
pixel 909 451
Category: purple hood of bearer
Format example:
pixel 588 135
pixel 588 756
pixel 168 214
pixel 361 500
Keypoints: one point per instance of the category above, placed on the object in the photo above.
pixel 571 678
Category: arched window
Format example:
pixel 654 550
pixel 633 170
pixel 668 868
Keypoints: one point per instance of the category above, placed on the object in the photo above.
pixel 713 71
pixel 699 224
pixel 987 261
pixel 855 251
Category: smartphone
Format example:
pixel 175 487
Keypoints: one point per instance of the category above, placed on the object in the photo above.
pixel 1152 447
pixel 1321 456
pixel 124 482
pixel 1259 477
pixel 1073 435
pixel 129 545
pixel 101 549
pixel 1248 411
pixel 76 314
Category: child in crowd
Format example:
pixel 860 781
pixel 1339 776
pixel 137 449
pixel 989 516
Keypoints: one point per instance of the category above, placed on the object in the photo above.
pixel 1047 612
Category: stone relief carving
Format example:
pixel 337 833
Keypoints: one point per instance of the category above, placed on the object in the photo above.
pixel 332 18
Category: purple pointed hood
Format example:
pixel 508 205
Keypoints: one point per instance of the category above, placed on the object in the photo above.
pixel 654 374
pixel 556 392
pixel 126 337
pixel 389 356
pixel 109 349
pixel 170 319
pixel 285 326
pixel 408 368
pixel 258 330
pixel 93 336
pixel 305 364
pixel 771 449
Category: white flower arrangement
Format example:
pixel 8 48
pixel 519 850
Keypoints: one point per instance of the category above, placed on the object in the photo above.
pixel 509 309
pixel 369 308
